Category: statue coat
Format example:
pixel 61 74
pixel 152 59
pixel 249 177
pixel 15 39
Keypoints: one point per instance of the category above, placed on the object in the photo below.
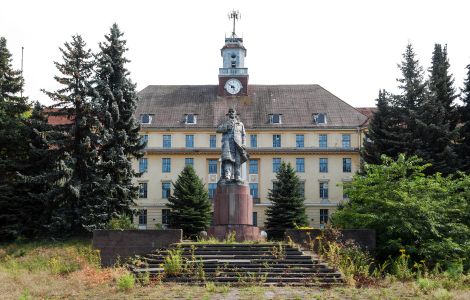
pixel 233 140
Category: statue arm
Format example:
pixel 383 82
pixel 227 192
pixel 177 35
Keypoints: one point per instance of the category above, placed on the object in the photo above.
pixel 222 128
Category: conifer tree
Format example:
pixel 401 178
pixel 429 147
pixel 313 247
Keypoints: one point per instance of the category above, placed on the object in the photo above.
pixel 80 190
pixel 13 149
pixel 288 209
pixel 189 204
pixel 464 145
pixel 383 136
pixel 438 118
pixel 121 140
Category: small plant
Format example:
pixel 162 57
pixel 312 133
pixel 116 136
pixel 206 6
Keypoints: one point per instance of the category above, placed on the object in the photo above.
pixel 121 223
pixel 159 226
pixel 455 269
pixel 401 266
pixel 426 285
pixel 231 237
pixel 211 287
pixel 62 266
pixel 143 278
pixel 278 251
pixel 173 264
pixel 442 294
pixel 25 295
pixel 126 282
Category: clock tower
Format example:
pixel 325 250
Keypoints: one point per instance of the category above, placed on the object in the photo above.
pixel 233 76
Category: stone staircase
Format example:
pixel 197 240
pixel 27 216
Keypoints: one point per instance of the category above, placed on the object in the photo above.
pixel 238 264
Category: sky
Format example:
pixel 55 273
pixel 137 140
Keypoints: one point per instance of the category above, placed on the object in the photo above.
pixel 350 48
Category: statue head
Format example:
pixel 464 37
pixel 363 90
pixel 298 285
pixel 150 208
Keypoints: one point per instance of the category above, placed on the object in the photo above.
pixel 232 113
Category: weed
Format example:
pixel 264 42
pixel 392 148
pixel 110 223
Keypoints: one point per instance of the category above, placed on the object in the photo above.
pixel 25 295
pixel 441 294
pixel 211 287
pixel 62 266
pixel 401 266
pixel 278 251
pixel 143 278
pixel 231 237
pixel 126 282
pixel 121 223
pixel 173 264
pixel 426 285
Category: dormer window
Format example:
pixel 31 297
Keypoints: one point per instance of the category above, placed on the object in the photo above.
pixel 275 119
pixel 319 118
pixel 190 119
pixel 146 119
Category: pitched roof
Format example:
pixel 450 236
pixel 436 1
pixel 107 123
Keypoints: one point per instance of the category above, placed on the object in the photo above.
pixel 296 104
pixel 367 111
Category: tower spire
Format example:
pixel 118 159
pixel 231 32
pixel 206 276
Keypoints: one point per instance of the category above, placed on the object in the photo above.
pixel 235 15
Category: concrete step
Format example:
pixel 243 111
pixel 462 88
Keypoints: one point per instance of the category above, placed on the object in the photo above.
pixel 234 256
pixel 260 279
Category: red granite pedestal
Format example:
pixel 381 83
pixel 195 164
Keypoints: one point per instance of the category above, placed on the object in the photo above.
pixel 233 213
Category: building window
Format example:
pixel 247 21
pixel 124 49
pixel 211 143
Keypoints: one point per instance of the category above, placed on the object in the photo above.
pixel 165 217
pixel 253 166
pixel 166 141
pixel 143 190
pixel 143 163
pixel 276 164
pixel 323 165
pixel 319 118
pixel 275 119
pixel 276 140
pixel 302 189
pixel 253 141
pixel 346 165
pixel 145 119
pixel 142 217
pixel 346 141
pixel 166 165
pixel 323 217
pixel 166 188
pixel 190 119
pixel 189 141
pixel 213 141
pixel 324 190
pixel 254 190
pixel 255 218
pixel 189 161
pixel 211 188
pixel 323 141
pixel 299 140
pixel 300 165
pixel 212 166
pixel 144 139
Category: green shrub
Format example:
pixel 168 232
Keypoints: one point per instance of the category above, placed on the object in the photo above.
pixel 122 223
pixel 174 264
pixel 401 266
pixel 62 265
pixel 426 285
pixel 126 282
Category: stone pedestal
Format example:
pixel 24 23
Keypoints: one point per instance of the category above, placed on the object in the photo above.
pixel 233 212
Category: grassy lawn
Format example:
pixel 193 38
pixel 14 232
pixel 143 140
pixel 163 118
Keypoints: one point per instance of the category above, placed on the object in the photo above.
pixel 70 270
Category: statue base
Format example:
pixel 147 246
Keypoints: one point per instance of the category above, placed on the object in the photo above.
pixel 233 213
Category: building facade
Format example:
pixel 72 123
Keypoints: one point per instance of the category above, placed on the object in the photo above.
pixel 305 125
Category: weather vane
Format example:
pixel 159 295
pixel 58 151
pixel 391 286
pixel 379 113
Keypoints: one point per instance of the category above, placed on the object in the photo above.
pixel 235 15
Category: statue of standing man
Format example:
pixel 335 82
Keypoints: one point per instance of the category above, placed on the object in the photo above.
pixel 233 147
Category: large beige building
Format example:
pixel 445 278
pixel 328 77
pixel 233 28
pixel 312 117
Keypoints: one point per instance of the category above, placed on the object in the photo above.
pixel 306 125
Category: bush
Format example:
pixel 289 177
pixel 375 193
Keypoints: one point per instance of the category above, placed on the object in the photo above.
pixel 174 264
pixel 126 282
pixel 122 223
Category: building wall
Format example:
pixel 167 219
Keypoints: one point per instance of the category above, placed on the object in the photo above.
pixel 264 153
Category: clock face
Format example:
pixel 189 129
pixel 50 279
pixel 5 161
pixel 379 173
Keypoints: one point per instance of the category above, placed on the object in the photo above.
pixel 233 86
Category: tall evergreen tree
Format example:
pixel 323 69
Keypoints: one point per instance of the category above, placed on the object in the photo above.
pixel 464 145
pixel 288 209
pixel 409 103
pixel 13 149
pixel 189 204
pixel 384 134
pixel 77 143
pixel 438 118
pixel 121 140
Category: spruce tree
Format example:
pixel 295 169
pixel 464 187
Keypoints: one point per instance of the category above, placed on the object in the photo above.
pixel 189 204
pixel 13 149
pixel 80 190
pixel 409 103
pixel 384 132
pixel 288 209
pixel 438 118
pixel 121 140
pixel 464 145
